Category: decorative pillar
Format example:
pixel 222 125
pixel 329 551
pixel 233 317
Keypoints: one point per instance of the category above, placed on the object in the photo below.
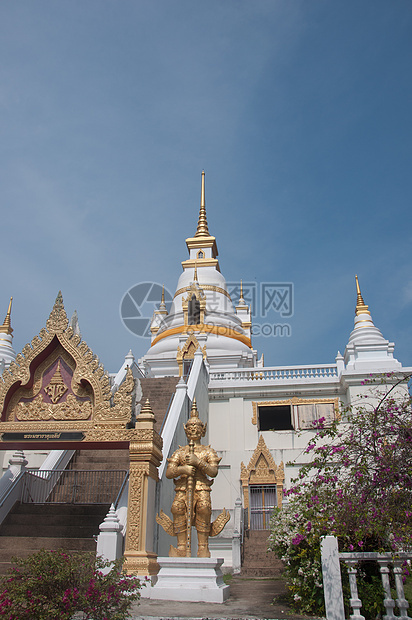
pixel 354 601
pixel 388 602
pixel 110 539
pixel 145 457
pixel 17 463
pixel 401 601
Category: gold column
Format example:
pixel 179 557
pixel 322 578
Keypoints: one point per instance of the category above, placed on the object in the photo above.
pixel 145 457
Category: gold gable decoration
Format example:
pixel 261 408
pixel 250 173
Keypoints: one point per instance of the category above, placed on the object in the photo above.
pixel 196 291
pixel 91 403
pixel 262 470
pixel 187 352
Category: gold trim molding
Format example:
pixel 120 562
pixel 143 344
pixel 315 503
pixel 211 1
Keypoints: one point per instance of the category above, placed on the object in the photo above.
pixel 204 287
pixel 145 457
pixel 219 330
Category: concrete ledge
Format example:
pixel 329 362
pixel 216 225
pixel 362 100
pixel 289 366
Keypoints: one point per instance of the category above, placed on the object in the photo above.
pixel 188 579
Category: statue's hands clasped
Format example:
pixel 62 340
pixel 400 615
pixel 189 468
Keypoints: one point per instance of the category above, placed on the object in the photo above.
pixel 192 463
pixel 187 470
pixel 193 460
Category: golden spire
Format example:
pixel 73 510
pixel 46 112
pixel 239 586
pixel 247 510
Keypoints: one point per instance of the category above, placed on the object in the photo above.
pixel 241 298
pixel 361 307
pixel 195 274
pixel 202 229
pixel 6 328
pixel 146 412
pixel 162 305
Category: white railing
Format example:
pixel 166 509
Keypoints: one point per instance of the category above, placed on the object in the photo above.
pixel 317 372
pixel 332 583
pixel 178 407
pixel 72 486
pixel 12 479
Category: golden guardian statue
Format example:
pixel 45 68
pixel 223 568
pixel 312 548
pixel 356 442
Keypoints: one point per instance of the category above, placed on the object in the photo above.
pixel 192 468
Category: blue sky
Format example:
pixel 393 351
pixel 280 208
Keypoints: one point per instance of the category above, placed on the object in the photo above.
pixel 298 110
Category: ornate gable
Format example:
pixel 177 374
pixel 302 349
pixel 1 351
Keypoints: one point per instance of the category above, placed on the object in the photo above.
pixel 57 382
pixel 187 352
pixel 262 470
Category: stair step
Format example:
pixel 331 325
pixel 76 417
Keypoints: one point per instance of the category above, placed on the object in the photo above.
pixel 257 561
pixel 59 509
pixel 260 572
pixel 53 531
pixel 61 525
pixel 79 520
pixel 34 543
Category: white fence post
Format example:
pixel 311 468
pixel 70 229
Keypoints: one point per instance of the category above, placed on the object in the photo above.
pixel 236 541
pixel 332 582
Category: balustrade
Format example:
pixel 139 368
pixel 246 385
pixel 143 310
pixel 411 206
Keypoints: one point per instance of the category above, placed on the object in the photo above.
pixel 277 373
pixel 333 586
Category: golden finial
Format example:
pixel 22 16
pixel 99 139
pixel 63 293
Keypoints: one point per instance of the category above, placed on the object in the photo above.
pixel 241 298
pixel 57 320
pixel 162 301
pixel 195 274
pixel 146 412
pixel 361 307
pixel 6 328
pixel 202 229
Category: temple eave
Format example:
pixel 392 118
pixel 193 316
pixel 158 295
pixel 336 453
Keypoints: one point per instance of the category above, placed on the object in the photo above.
pixel 201 262
pixel 202 242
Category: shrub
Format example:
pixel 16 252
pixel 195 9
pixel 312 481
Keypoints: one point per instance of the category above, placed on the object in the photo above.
pixel 55 585
pixel 356 486
pixel 296 542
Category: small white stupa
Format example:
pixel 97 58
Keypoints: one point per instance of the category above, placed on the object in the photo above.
pixel 367 350
pixel 7 353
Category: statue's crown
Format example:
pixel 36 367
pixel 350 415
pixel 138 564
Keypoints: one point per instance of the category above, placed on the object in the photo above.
pixel 194 418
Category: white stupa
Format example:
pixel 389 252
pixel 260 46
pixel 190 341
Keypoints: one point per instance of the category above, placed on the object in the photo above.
pixel 201 315
pixel 7 353
pixel 367 350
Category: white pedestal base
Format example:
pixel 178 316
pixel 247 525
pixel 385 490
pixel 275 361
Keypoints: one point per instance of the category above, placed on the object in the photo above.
pixel 189 579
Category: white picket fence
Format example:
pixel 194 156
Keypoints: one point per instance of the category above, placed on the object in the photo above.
pixel 332 582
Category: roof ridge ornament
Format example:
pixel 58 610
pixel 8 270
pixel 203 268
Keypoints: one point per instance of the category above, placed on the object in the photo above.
pixel 6 328
pixel 202 227
pixel 361 307
pixel 57 320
